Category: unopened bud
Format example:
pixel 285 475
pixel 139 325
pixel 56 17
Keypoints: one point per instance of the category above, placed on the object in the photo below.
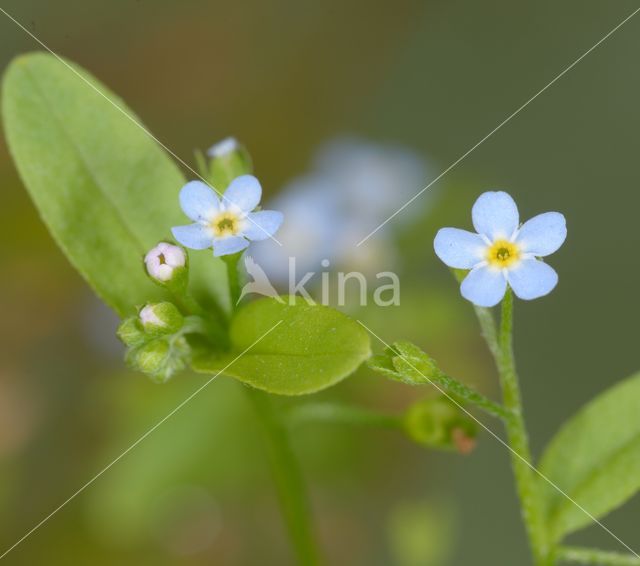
pixel 152 357
pixel 166 264
pixel 228 159
pixel 131 332
pixel 440 423
pixel 223 148
pixel 160 358
pixel 161 318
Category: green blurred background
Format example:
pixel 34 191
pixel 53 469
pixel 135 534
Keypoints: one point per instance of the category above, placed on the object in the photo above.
pixel 285 77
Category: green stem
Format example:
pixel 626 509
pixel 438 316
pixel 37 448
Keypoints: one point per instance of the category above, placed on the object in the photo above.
pixel 338 413
pixel 596 557
pixel 463 392
pixel 284 465
pixel 233 277
pixel 518 439
pixel 288 478
pixel 488 330
pixel 485 317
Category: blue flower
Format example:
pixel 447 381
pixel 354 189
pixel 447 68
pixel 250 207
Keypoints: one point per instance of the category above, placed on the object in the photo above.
pixel 352 186
pixel 227 224
pixel 503 252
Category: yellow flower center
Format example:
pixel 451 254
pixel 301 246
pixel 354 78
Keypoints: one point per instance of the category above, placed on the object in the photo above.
pixel 503 253
pixel 225 224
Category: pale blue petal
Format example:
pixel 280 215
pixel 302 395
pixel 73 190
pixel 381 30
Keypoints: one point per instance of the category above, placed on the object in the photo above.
pixel 244 192
pixel 484 286
pixel 459 248
pixel 194 236
pixel 198 201
pixel 543 234
pixel 531 279
pixel 495 215
pixel 230 245
pixel 263 224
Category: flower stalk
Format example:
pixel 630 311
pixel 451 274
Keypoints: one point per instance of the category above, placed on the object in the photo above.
pixel 519 440
pixel 292 493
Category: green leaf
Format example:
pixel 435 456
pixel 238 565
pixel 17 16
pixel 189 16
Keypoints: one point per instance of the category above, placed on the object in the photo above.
pixel 104 188
pixel 594 459
pixel 312 347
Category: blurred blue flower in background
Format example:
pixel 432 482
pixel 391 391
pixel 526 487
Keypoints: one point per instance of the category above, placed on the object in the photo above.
pixel 353 187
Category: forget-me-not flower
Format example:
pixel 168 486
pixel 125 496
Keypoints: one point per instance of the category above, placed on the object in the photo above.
pixel 227 224
pixel 503 252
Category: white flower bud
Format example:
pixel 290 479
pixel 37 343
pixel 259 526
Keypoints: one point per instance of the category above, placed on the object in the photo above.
pixel 163 260
pixel 223 148
pixel 148 317
pixel 161 318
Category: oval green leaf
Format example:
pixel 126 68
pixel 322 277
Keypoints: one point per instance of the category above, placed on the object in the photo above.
pixel 103 186
pixel 594 459
pixel 289 347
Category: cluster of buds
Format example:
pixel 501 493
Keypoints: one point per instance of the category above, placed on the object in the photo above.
pixel 155 341
pixel 155 337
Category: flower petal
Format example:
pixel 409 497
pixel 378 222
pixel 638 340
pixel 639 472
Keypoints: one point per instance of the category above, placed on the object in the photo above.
pixel 543 234
pixel 194 236
pixel 223 147
pixel 198 201
pixel 232 245
pixel 263 224
pixel 484 286
pixel 531 279
pixel 244 192
pixel 459 248
pixel 495 215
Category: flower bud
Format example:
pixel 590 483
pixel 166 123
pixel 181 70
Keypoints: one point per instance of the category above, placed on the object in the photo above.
pixel 223 148
pixel 440 423
pixel 160 358
pixel 131 332
pixel 228 160
pixel 161 318
pixel 166 264
pixel 152 357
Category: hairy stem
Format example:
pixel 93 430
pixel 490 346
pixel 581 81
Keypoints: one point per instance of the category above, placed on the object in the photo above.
pixel 488 329
pixel 518 439
pixel 464 393
pixel 596 557
pixel 288 478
